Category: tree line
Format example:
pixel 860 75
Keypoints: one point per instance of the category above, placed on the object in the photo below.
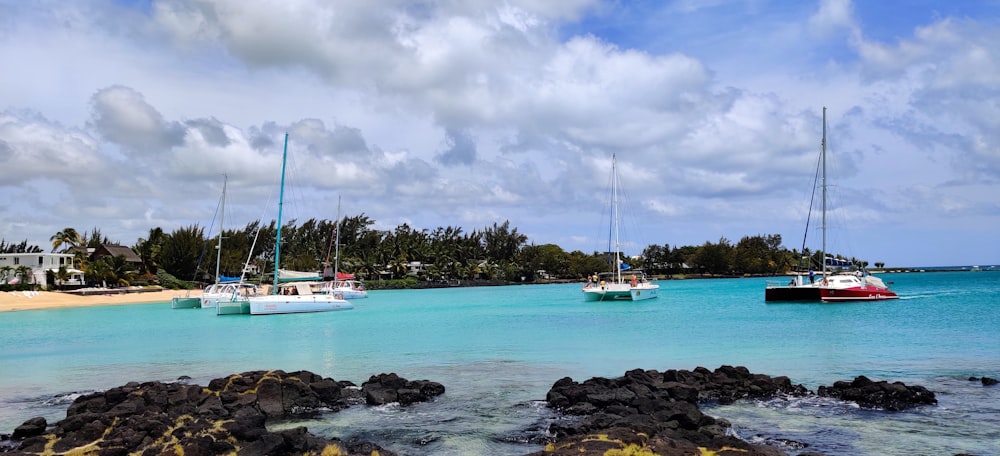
pixel 497 252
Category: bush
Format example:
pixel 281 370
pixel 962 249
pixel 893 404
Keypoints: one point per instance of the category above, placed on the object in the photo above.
pixel 392 284
pixel 170 282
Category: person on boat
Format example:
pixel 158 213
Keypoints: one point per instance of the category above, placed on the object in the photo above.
pixel 812 276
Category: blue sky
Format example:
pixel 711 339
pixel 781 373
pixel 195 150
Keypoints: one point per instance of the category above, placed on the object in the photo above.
pixel 125 115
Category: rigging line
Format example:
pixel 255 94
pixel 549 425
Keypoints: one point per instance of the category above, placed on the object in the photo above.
pixel 260 226
pixel 204 247
pixel 812 200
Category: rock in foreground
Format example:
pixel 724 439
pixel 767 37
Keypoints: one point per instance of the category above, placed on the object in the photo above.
pixel 648 412
pixel 879 395
pixel 227 417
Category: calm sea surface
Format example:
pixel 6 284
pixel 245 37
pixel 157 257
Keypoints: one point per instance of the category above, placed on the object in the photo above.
pixel 497 350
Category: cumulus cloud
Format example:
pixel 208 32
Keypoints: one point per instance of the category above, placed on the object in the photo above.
pixel 832 16
pixel 383 103
pixel 122 115
pixel 32 147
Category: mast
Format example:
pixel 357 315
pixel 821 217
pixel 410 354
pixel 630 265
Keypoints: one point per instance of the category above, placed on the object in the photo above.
pixel 336 258
pixel 614 215
pixel 823 158
pixel 281 199
pixel 222 226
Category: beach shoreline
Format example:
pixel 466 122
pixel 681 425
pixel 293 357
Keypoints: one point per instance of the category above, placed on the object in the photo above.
pixel 12 301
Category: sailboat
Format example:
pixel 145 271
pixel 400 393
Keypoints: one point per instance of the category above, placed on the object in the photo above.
pixel 622 283
pixel 212 293
pixel 296 297
pixel 225 289
pixel 345 285
pixel 837 281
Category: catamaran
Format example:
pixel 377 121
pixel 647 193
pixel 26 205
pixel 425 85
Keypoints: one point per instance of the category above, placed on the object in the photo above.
pixel 622 282
pixel 838 279
pixel 296 297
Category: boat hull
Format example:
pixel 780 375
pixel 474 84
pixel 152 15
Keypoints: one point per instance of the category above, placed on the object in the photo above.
pixel 185 303
pixel 352 294
pixel 620 292
pixel 233 308
pixel 281 304
pixel 856 294
pixel 643 293
pixel 791 293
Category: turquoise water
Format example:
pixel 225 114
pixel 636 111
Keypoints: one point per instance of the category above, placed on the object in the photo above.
pixel 498 350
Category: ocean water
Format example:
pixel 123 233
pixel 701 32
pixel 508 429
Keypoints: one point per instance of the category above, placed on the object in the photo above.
pixel 497 350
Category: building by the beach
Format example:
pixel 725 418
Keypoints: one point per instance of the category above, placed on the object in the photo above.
pixel 39 264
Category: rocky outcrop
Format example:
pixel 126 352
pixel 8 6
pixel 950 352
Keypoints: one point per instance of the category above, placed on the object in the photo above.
pixel 228 416
pixel 658 413
pixel 986 381
pixel 879 395
pixel 30 428
pixel 386 388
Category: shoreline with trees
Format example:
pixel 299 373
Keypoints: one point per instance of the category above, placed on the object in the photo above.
pixel 405 257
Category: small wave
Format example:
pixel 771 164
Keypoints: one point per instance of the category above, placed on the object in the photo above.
pixel 62 399
pixel 804 402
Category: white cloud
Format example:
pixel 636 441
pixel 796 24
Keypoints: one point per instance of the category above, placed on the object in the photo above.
pixel 473 112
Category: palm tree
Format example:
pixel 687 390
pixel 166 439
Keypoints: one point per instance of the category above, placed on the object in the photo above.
pixel 149 250
pixel 5 273
pixel 61 275
pixel 25 273
pixel 66 236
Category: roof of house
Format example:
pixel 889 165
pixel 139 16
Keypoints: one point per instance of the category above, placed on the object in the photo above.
pixel 120 250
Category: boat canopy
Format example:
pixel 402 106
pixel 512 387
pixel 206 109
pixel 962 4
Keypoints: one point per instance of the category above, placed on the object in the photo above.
pixel 831 261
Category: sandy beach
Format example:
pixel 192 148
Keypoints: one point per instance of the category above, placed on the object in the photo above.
pixel 14 301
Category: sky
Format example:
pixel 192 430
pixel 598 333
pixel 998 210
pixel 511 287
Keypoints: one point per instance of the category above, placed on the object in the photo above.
pixel 129 115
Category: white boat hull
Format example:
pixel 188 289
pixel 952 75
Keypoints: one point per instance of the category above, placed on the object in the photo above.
pixel 351 294
pixel 226 292
pixel 620 292
pixel 347 289
pixel 282 304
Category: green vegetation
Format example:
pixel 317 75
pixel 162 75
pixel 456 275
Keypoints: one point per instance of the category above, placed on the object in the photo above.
pixel 403 257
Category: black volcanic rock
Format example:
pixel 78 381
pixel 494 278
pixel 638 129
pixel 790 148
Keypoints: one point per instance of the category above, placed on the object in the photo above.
pixel 228 416
pixel 646 410
pixel 30 428
pixel 879 395
pixel 386 388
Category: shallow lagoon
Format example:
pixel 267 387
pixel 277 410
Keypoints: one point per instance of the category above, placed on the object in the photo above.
pixel 499 349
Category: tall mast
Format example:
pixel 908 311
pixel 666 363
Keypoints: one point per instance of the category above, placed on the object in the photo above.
pixel 281 200
pixel 823 158
pixel 336 258
pixel 222 226
pixel 614 215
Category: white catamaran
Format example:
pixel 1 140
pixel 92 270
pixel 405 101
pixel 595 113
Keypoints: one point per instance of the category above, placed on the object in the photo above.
pixel 622 282
pixel 298 297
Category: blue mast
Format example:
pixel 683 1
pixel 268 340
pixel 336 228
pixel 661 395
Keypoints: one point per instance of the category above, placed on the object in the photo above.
pixel 281 199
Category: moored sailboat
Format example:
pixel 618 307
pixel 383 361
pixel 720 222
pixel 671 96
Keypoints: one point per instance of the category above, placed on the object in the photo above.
pixel 835 284
pixel 293 298
pixel 341 283
pixel 622 283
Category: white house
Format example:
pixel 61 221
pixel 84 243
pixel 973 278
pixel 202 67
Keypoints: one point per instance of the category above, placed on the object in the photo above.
pixel 39 264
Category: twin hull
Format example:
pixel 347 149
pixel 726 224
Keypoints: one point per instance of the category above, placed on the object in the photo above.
pixel 620 292
pixel 280 304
